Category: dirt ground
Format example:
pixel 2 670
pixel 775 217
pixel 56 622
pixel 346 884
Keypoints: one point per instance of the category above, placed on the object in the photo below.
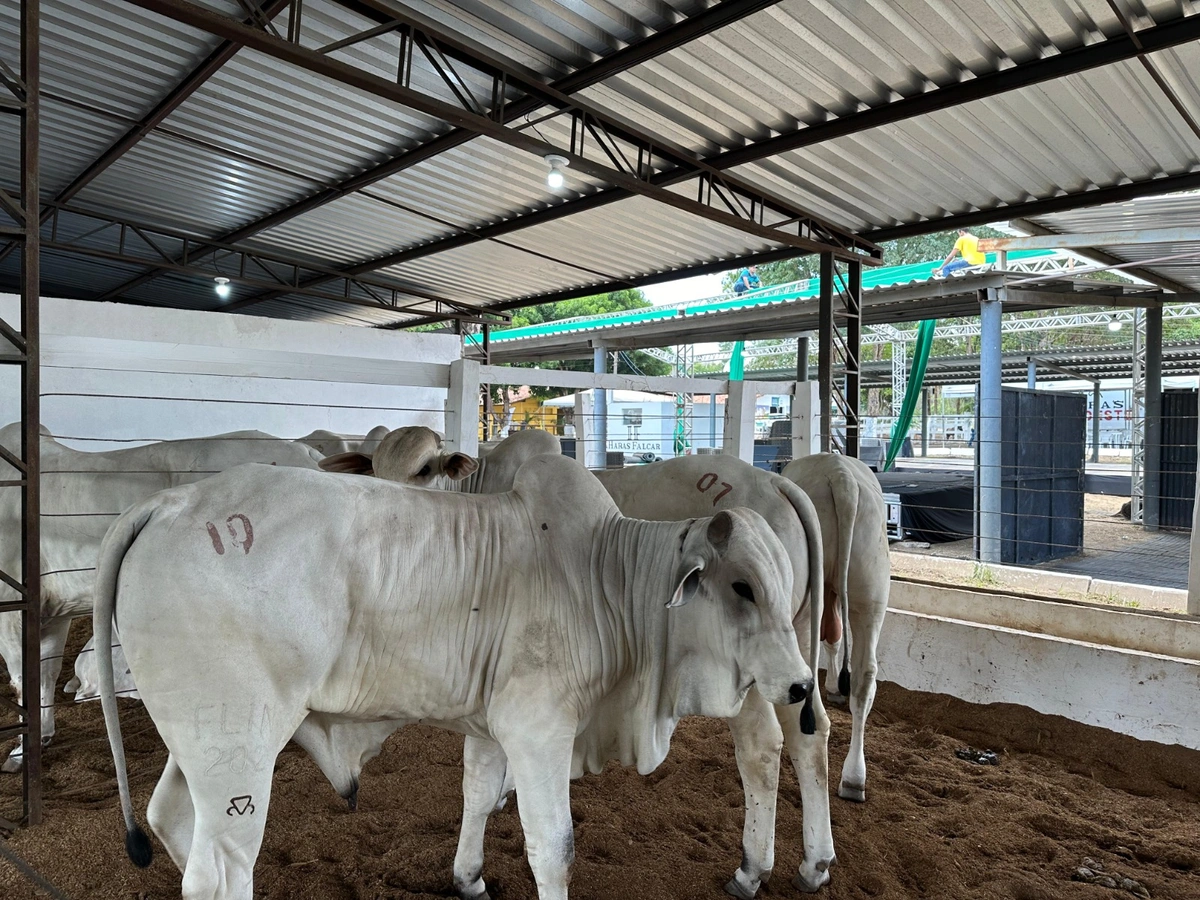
pixel 933 826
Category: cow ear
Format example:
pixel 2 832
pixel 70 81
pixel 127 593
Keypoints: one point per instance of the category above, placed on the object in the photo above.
pixel 348 464
pixel 687 581
pixel 720 527
pixel 457 466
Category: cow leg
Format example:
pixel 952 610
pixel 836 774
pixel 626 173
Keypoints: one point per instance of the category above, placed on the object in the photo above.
pixel 171 815
pixel 539 752
pixel 810 758
pixel 831 642
pixel 757 740
pixel 230 816
pixel 54 641
pixel 484 768
pixel 866 621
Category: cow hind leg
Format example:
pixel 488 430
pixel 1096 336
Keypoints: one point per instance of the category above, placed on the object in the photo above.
pixel 864 628
pixel 230 816
pixel 810 758
pixel 757 742
pixel 54 641
pixel 484 776
pixel 171 815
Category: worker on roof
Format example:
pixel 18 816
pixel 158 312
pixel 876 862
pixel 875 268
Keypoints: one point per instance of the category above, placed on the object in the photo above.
pixel 747 280
pixel 968 245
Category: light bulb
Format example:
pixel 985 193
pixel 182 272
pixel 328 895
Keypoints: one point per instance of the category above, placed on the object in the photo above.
pixel 557 163
pixel 1114 324
pixel 222 287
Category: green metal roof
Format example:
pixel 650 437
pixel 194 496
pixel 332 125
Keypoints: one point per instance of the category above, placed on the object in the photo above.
pixel 871 278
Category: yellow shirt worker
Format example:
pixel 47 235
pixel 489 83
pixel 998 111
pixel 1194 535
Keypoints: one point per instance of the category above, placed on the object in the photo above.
pixel 968 245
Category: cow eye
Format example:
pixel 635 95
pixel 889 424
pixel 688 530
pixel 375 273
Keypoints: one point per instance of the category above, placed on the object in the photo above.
pixel 424 471
pixel 743 590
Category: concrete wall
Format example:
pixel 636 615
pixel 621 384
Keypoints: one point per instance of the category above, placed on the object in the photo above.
pixel 1112 668
pixel 115 375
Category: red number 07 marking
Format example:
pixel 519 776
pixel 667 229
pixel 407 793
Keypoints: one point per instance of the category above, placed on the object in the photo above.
pixel 707 480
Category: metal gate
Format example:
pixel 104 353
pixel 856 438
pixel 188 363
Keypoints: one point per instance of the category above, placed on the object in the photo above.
pixel 1177 459
pixel 1042 459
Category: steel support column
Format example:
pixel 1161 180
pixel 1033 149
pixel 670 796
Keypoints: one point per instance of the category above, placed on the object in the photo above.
pixel 599 453
pixel 825 352
pixel 1151 458
pixel 988 436
pixel 1096 420
pixel 21 349
pixel 1137 456
pixel 1031 378
pixel 840 323
pixel 924 421
pixel 853 299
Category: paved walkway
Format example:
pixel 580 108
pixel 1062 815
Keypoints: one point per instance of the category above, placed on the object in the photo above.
pixel 1160 560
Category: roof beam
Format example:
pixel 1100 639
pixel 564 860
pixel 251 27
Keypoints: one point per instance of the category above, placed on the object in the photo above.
pixel 195 79
pixel 1107 259
pixel 1053 241
pixel 1023 75
pixel 540 94
pixel 212 63
pixel 81 232
pixel 1118 193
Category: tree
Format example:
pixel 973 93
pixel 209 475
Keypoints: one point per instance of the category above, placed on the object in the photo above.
pixel 629 362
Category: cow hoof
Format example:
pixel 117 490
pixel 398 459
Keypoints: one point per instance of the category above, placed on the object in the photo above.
pixel 742 887
pixel 476 890
pixel 811 884
pixel 836 699
pixel 852 792
pixel 12 765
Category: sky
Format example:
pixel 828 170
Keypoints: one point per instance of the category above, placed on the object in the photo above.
pixel 683 289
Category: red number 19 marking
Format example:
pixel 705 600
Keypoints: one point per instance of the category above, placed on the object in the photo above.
pixel 707 480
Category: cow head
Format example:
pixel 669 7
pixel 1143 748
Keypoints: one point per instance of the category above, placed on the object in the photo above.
pixel 734 579
pixel 411 455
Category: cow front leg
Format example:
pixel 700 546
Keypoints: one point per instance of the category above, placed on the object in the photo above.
pixel 757 741
pixel 54 641
pixel 810 758
pixel 539 753
pixel 484 768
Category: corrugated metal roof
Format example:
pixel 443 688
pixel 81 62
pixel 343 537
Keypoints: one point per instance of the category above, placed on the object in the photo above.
pixel 261 135
pixel 1171 211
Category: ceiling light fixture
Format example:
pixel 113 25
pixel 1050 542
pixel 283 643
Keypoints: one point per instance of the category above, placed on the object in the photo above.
pixel 556 163
pixel 222 287
pixel 1114 324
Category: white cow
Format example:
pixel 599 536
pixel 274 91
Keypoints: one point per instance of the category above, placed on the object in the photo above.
pixel 666 491
pixel 703 485
pixel 85 685
pixel 329 444
pixel 410 455
pixel 81 494
pixel 858 575
pixel 416 455
pixel 521 619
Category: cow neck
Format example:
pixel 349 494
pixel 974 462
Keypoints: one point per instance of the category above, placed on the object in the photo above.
pixel 639 561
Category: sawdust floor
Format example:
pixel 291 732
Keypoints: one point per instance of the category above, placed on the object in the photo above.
pixel 933 825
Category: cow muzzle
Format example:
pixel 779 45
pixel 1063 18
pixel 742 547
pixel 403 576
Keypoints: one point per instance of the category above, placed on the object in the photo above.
pixel 799 691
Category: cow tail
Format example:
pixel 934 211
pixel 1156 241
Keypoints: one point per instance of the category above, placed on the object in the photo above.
pixel 116 544
pixel 807 514
pixel 845 507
